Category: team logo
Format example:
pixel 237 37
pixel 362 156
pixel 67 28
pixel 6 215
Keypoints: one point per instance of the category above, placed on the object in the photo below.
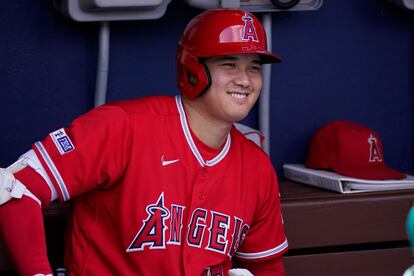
pixel 62 141
pixel 152 232
pixel 374 153
pixel 249 31
pixel 207 229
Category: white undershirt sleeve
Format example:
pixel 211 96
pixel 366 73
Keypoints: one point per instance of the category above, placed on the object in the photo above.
pixel 30 159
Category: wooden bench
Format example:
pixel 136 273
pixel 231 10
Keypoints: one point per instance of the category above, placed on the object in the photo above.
pixel 328 233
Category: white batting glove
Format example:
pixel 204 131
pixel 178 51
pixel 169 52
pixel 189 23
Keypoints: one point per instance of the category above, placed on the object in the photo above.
pixel 10 187
pixel 239 272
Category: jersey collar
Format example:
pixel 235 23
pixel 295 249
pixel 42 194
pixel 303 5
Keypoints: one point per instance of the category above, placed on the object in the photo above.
pixel 190 141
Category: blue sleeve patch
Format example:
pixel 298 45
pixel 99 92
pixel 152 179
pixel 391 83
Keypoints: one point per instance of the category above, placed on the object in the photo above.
pixel 62 141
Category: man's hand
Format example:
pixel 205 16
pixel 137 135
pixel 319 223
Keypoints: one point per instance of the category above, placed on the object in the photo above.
pixel 239 272
pixel 10 187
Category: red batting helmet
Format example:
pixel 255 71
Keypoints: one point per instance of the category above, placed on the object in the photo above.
pixel 217 32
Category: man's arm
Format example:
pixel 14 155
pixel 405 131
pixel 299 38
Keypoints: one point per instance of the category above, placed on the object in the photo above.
pixel 22 228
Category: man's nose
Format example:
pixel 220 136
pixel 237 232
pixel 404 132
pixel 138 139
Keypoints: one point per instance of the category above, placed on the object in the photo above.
pixel 242 78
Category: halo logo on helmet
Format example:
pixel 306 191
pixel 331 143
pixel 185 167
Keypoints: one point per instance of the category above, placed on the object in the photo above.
pixel 249 31
pixel 217 32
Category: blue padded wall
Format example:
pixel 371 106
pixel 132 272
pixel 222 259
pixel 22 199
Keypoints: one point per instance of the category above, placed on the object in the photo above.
pixel 351 59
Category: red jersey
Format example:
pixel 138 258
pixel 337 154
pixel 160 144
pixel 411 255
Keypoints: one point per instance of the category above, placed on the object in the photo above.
pixel 149 198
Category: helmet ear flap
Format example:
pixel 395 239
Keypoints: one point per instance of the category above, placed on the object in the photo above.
pixel 193 76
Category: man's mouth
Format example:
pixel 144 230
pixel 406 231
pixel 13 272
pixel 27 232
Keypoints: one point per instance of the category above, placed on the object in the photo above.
pixel 238 95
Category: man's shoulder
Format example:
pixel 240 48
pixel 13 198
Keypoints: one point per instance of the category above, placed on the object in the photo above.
pixel 255 162
pixel 248 147
pixel 150 105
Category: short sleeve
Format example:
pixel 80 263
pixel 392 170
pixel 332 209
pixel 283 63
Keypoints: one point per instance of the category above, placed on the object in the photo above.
pixel 266 237
pixel 91 152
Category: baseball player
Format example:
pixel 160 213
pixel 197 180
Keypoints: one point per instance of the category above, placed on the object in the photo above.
pixel 160 185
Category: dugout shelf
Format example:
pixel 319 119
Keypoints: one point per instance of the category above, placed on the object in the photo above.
pixel 345 234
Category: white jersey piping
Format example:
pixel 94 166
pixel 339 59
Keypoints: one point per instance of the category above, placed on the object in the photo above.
pixel 191 143
pixel 263 254
pixel 54 170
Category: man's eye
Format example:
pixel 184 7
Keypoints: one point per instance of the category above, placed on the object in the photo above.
pixel 256 68
pixel 229 64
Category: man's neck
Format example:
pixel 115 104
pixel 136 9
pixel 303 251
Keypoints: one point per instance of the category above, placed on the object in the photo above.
pixel 209 131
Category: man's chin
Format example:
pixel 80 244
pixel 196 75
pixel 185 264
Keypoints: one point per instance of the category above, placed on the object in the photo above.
pixel 233 118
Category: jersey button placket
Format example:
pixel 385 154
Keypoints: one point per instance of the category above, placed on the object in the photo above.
pixel 187 264
pixel 204 172
pixel 188 259
pixel 198 196
pixel 203 181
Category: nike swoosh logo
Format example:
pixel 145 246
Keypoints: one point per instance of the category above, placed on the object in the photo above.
pixel 168 162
